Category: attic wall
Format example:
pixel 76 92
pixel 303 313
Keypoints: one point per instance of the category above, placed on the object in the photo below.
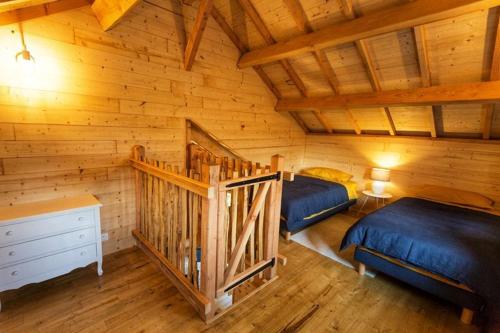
pixel 471 165
pixel 69 127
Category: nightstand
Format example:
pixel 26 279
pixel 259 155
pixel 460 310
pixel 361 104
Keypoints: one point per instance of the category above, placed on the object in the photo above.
pixel 378 197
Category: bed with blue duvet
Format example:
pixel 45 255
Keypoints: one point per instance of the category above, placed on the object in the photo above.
pixel 411 236
pixel 308 200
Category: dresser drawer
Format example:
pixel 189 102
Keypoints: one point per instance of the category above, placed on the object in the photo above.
pixel 44 246
pixel 29 230
pixel 28 270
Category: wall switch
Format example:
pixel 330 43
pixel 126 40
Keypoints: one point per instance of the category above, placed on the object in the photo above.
pixel 105 237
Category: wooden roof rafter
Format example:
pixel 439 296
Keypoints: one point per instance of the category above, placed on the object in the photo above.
pixel 258 69
pixel 348 11
pixel 419 33
pixel 110 12
pixel 200 23
pixel 487 112
pixel 463 93
pixel 300 18
pixel 254 16
pixel 403 16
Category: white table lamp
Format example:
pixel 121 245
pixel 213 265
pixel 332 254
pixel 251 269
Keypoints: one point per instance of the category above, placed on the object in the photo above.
pixel 380 177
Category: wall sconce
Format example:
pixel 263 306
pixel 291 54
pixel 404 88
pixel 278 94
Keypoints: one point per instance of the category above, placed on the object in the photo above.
pixel 24 57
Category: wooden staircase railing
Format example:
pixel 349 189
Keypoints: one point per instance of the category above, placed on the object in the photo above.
pixel 213 229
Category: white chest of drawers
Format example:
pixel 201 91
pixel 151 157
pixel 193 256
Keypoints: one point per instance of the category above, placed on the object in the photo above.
pixel 42 240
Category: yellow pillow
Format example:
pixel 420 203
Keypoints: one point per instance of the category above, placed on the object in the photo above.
pixel 455 196
pixel 333 175
pixel 352 189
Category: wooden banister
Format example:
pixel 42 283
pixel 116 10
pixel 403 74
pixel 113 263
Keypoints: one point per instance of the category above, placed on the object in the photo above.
pixel 212 228
pixel 201 188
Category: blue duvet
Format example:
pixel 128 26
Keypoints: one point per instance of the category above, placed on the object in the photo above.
pixel 306 196
pixel 458 243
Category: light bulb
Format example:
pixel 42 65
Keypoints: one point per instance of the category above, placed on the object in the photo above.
pixel 26 63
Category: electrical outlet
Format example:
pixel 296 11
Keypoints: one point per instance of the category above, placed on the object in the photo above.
pixel 105 237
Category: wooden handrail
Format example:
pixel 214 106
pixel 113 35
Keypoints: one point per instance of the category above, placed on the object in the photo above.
pixel 205 190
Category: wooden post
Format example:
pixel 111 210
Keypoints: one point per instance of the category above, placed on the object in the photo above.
pixel 272 216
pixel 210 175
pixel 361 269
pixel 138 153
pixel 221 241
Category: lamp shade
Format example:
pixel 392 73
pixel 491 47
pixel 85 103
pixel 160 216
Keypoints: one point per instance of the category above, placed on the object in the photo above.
pixel 381 175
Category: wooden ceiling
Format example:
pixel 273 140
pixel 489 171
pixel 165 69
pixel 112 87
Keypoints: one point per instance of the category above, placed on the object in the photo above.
pixel 386 67
pixel 394 67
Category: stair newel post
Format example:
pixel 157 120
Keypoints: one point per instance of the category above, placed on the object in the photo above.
pixel 210 175
pixel 272 216
pixel 138 154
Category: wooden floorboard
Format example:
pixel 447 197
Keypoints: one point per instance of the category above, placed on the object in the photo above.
pixel 313 294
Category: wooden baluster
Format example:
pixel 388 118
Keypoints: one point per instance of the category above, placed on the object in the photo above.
pixel 184 210
pixel 234 214
pixel 244 213
pixel 169 224
pixel 178 224
pixel 196 226
pixel 138 154
pixel 260 232
pixel 251 244
pixel 272 217
pixel 222 219
pixel 209 231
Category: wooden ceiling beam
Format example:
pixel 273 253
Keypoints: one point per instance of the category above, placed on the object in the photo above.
pixel 200 23
pixel 259 24
pixel 464 93
pixel 399 17
pixel 488 110
pixel 425 71
pixel 258 69
pixel 348 11
pixel 323 120
pixel 243 48
pixel 300 122
pixel 353 121
pixel 7 6
pixel 110 12
pixel 300 18
pixel 28 13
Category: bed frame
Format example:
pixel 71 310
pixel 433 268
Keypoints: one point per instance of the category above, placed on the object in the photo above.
pixel 432 283
pixel 287 235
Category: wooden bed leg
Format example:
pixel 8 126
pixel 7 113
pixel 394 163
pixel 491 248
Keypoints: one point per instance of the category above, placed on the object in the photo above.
pixel 467 316
pixel 288 236
pixel 361 269
pixel 282 259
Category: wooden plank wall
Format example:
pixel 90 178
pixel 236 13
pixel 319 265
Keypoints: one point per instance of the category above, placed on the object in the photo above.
pixel 463 165
pixel 69 127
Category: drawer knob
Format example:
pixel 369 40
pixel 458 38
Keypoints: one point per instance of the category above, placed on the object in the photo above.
pixel 14 273
pixel 12 253
pixel 83 253
pixel 82 236
pixel 81 218
pixel 9 233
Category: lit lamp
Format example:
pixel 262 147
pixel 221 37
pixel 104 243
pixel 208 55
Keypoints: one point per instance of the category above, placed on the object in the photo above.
pixel 24 57
pixel 380 177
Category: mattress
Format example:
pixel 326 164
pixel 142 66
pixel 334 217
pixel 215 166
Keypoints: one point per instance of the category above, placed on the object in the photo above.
pixel 307 200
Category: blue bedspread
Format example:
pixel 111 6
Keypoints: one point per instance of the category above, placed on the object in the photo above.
pixel 306 196
pixel 458 243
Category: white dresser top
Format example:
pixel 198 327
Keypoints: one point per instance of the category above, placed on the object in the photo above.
pixel 43 208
